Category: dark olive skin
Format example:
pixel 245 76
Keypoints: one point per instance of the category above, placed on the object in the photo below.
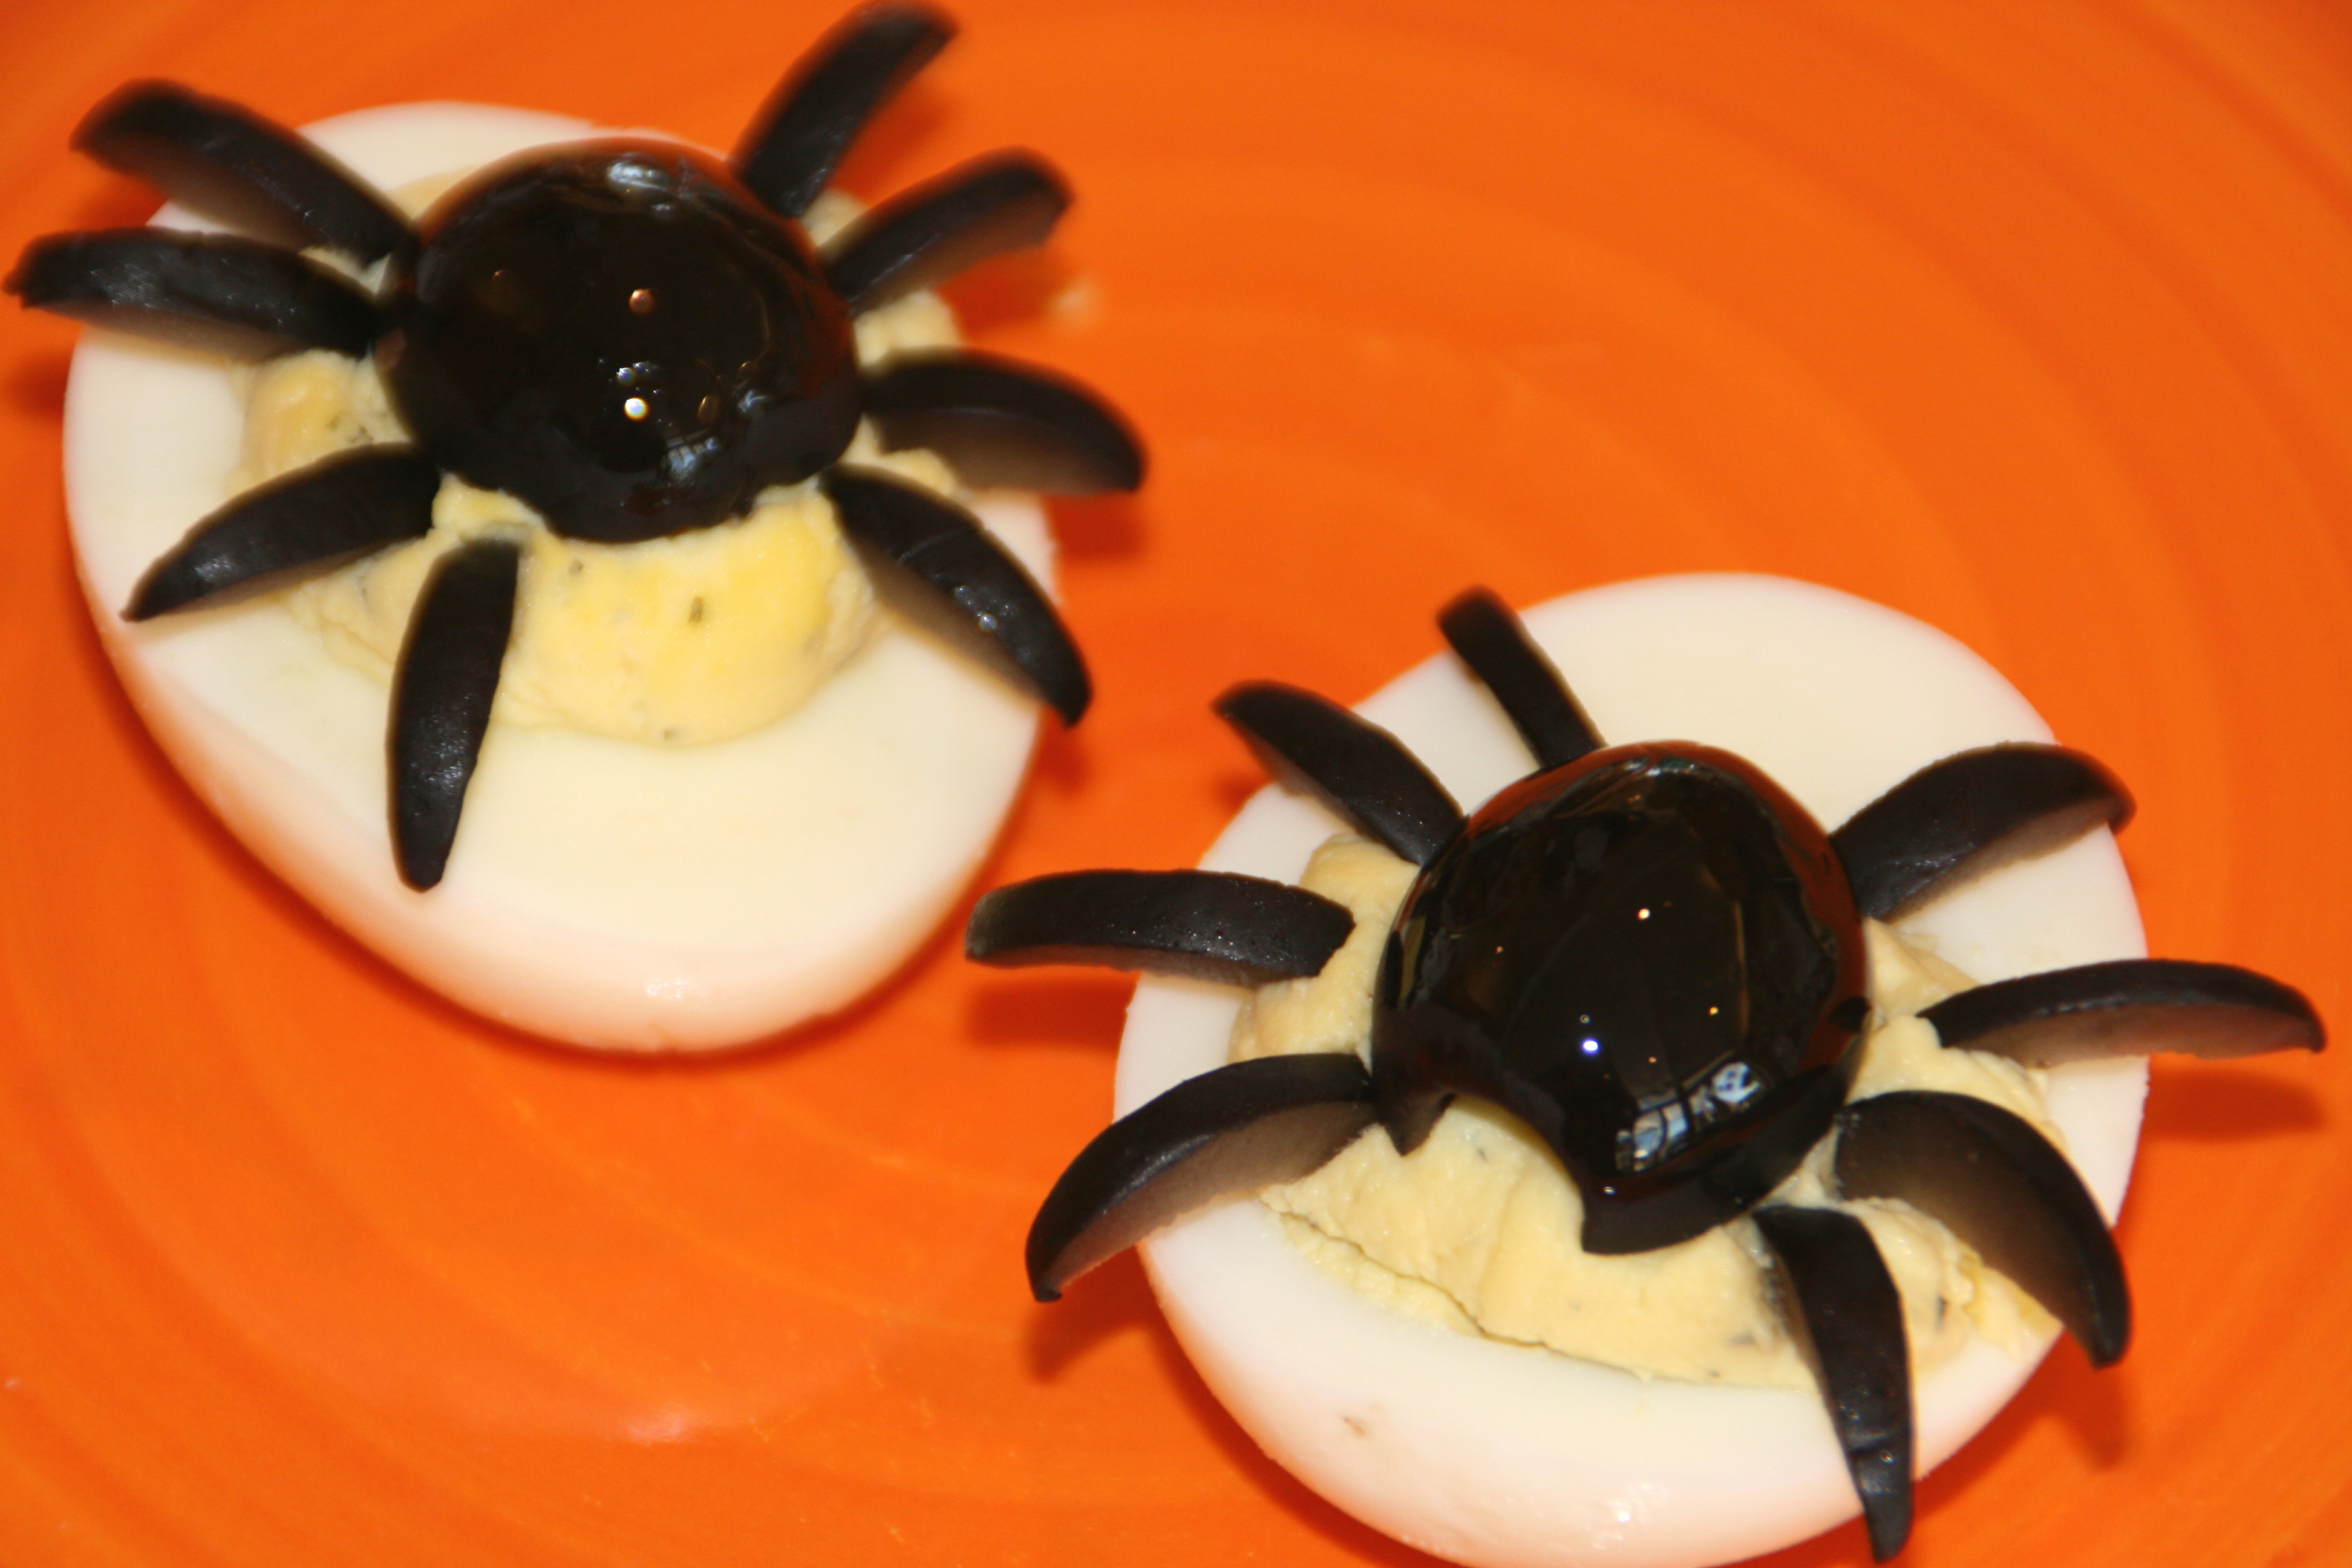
pixel 1651 956
pixel 621 335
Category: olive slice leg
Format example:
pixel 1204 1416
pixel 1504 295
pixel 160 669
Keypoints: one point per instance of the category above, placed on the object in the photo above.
pixel 1232 1130
pixel 1999 1185
pixel 1487 636
pixel 1970 814
pixel 1356 768
pixel 441 694
pixel 962 581
pixel 211 291
pixel 999 422
pixel 928 232
pixel 1848 1322
pixel 297 524
pixel 223 160
pixel 793 145
pixel 2130 1007
pixel 1205 925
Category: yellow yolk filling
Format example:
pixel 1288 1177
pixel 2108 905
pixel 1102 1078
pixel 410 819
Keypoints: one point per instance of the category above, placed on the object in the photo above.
pixel 1477 1229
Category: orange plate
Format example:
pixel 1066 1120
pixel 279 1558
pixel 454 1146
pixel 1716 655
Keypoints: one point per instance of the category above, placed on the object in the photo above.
pixel 2033 321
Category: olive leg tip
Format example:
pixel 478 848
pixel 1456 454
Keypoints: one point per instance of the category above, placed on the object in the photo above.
pixel 423 873
pixel 1886 1515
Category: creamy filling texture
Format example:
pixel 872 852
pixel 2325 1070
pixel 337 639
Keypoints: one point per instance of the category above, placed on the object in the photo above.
pixel 1477 1229
pixel 696 637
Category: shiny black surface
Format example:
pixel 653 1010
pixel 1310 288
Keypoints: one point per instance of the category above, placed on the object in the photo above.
pixel 297 524
pixel 1846 1316
pixel 932 561
pixel 1207 925
pixel 1639 954
pixel 442 689
pixel 618 333
pixel 791 146
pixel 1970 814
pixel 1360 771
pixel 229 163
pixel 218 293
pixel 2004 1189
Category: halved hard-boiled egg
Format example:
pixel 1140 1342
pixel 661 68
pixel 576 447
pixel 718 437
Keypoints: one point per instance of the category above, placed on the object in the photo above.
pixel 605 891
pixel 1496 1453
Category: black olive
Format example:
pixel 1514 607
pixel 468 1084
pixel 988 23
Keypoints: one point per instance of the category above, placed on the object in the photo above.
pixel 1640 955
pixel 618 333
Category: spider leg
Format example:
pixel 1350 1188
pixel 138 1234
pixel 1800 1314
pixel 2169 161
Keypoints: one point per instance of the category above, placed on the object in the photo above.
pixel 2126 1008
pixel 441 694
pixel 1232 1130
pixel 964 580
pixel 1207 925
pixel 1487 636
pixel 999 422
pixel 1358 769
pixel 226 161
pixel 1968 814
pixel 1847 1319
pixel 929 232
pixel 213 292
pixel 1999 1186
pixel 300 523
pixel 791 146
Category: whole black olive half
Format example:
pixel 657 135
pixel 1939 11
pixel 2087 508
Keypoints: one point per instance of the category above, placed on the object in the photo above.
pixel 1639 954
pixel 619 335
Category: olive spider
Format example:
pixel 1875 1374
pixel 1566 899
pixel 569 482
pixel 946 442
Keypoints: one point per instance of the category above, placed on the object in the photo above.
pixel 1573 950
pixel 635 338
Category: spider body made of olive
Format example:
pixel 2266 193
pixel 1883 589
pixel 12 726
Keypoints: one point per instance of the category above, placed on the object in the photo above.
pixel 621 335
pixel 1650 957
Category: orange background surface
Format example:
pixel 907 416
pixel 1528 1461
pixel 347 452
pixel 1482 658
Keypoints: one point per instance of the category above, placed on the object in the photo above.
pixel 2032 319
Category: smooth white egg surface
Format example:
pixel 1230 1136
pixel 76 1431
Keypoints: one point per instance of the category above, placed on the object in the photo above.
pixel 1496 1454
pixel 601 891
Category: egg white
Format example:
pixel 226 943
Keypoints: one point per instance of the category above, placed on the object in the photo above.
pixel 602 892
pixel 1501 1455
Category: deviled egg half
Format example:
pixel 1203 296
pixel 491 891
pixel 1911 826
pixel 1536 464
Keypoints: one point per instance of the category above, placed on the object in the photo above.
pixel 755 674
pixel 1512 1340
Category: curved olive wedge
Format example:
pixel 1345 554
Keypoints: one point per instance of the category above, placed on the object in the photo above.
pixel 442 690
pixel 223 160
pixel 1999 1186
pixel 793 144
pixel 1848 1323
pixel 1358 769
pixel 1205 925
pixel 212 292
pixel 999 422
pixel 1232 1130
pixel 2130 1007
pixel 306 521
pixel 963 582
pixel 1487 636
pixel 929 232
pixel 1968 814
